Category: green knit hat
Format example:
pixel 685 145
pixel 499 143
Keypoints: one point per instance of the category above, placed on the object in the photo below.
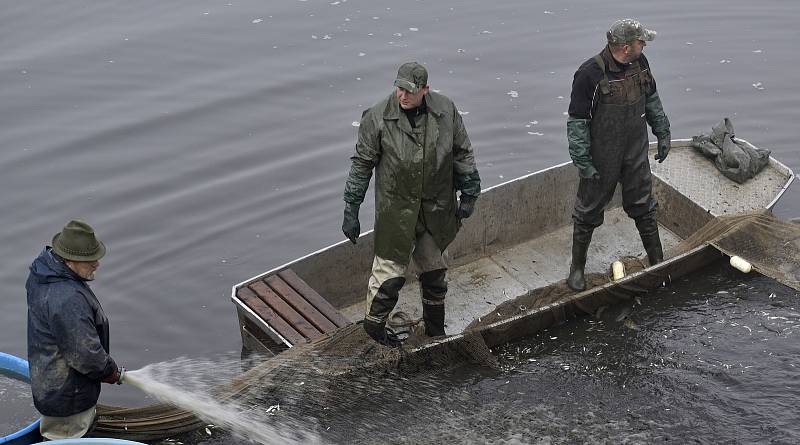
pixel 77 242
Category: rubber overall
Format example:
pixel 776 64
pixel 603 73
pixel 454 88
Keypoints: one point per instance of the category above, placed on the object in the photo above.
pixel 618 148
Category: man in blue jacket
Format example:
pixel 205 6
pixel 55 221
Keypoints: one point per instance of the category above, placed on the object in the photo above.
pixel 68 333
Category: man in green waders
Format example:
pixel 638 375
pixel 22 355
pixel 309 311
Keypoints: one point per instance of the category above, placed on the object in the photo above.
pixel 613 99
pixel 416 142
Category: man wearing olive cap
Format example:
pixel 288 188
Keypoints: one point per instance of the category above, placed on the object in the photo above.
pixel 416 142
pixel 613 100
pixel 68 333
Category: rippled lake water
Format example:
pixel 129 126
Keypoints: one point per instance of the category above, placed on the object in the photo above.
pixel 208 141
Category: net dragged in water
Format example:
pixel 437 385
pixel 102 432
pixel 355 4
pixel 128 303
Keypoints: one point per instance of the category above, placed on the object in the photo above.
pixel 347 358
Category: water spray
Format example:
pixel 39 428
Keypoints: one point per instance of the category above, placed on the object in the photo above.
pixel 236 417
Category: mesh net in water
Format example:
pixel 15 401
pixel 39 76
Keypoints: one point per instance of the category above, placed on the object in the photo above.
pixel 771 245
pixel 346 362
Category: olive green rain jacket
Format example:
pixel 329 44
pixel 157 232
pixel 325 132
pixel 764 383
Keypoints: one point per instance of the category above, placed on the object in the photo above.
pixel 416 175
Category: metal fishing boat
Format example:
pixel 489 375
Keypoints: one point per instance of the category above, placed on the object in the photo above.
pixel 517 242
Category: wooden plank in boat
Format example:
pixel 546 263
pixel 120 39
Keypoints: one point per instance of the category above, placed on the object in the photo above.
pixel 249 297
pixel 316 300
pixel 300 304
pixel 286 311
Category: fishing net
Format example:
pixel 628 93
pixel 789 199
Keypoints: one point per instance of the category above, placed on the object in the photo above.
pixel 146 423
pixel 346 363
pixel 771 245
pixel 345 369
pixel 338 370
pixel 556 295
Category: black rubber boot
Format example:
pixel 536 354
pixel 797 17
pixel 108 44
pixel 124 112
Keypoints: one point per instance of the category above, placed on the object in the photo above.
pixel 648 230
pixel 382 304
pixel 581 237
pixel 433 286
pixel 378 332
pixel 433 314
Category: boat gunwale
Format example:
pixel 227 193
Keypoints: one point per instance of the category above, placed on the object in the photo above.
pixel 255 318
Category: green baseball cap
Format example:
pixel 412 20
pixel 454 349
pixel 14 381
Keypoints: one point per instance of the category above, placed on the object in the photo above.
pixel 77 242
pixel 628 30
pixel 411 77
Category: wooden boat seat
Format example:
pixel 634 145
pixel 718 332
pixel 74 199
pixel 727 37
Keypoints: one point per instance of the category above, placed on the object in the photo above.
pixel 291 308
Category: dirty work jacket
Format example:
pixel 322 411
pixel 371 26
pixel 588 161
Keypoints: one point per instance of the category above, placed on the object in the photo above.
pixel 413 173
pixel 68 339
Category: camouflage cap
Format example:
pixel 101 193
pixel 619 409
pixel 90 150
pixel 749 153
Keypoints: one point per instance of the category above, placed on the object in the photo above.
pixel 411 77
pixel 628 30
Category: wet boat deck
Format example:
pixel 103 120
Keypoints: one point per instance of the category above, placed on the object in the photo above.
pixel 480 285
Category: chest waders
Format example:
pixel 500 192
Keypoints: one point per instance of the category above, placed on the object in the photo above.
pixel 388 277
pixel 619 153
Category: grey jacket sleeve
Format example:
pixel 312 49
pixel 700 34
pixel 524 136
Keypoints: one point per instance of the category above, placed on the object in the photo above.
pixel 73 326
pixel 365 155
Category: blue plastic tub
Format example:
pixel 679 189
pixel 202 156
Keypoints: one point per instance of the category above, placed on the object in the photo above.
pixel 18 368
pixel 91 441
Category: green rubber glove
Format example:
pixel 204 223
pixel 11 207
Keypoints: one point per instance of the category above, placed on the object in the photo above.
pixel 659 124
pixel 350 226
pixel 589 172
pixel 663 149
pixel 579 138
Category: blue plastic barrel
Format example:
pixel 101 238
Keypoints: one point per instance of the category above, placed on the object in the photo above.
pixel 18 368
pixel 29 435
pixel 91 441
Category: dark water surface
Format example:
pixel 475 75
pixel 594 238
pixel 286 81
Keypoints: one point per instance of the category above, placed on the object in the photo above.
pixel 709 360
pixel 208 141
